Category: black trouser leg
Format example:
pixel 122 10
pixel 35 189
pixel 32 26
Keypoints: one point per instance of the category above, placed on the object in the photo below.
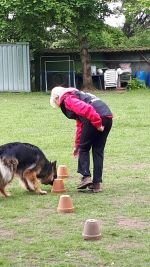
pixel 84 163
pixel 90 137
pixel 98 146
pixel 98 158
pixel 84 150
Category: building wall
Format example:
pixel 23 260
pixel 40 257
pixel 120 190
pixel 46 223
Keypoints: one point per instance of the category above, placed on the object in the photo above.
pixel 139 60
pixel 14 67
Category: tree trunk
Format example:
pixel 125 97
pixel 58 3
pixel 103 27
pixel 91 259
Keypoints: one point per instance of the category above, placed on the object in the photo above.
pixel 86 66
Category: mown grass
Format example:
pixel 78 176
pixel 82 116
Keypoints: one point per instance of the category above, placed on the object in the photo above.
pixel 32 233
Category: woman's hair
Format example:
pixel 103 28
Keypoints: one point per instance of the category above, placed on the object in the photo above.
pixel 56 92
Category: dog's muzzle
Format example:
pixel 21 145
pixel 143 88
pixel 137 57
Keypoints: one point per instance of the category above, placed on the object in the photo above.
pixel 49 180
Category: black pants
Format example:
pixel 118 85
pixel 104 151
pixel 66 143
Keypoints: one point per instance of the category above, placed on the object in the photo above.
pixel 92 138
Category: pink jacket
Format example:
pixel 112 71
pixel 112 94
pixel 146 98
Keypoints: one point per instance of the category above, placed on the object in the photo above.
pixel 82 109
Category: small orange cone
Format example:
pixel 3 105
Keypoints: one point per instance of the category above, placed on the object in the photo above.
pixel 65 204
pixel 91 230
pixel 58 186
pixel 62 171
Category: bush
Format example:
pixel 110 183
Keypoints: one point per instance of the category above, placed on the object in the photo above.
pixel 135 84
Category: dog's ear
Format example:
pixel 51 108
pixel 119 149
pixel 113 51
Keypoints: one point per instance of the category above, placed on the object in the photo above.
pixel 54 169
pixel 54 163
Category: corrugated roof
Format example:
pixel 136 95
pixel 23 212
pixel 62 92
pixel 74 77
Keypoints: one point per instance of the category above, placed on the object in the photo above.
pixel 96 50
pixel 136 49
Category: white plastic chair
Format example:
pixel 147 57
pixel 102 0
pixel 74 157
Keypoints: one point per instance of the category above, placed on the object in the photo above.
pixel 110 78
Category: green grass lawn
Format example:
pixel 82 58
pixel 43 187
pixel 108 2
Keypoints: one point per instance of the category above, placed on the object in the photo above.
pixel 32 233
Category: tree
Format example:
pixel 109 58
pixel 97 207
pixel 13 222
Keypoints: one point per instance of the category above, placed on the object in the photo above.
pixel 26 21
pixel 79 19
pixel 137 16
pixel 30 20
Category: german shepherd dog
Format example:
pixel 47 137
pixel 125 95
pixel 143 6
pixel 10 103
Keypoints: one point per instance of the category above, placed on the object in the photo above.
pixel 29 163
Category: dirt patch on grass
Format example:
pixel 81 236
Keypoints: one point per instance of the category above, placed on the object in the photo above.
pixel 130 199
pixel 124 245
pixel 44 215
pixel 23 220
pixel 45 212
pixel 89 256
pixel 7 233
pixel 132 223
pixel 135 166
pixel 139 166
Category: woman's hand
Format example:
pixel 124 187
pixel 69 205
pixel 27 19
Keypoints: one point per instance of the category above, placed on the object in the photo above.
pixel 101 129
pixel 75 152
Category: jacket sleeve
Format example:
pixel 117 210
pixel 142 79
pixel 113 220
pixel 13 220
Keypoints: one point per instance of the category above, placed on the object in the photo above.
pixel 83 109
pixel 78 133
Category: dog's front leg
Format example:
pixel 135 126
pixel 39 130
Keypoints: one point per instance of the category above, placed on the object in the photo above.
pixel 32 180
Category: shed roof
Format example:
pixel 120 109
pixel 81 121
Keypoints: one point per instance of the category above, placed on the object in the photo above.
pixel 96 50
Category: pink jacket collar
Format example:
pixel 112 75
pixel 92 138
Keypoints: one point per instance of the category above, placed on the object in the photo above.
pixel 66 91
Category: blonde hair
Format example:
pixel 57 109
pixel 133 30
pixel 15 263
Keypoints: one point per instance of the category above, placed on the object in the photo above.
pixel 55 93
